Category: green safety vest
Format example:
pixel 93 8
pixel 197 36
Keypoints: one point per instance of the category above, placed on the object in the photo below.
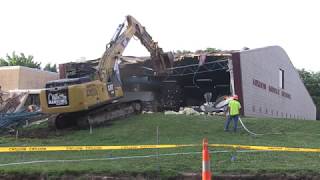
pixel 234 107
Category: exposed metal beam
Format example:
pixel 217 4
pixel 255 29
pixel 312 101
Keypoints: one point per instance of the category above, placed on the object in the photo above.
pixel 194 68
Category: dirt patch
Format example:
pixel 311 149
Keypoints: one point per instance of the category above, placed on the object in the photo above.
pixel 41 133
pixel 190 176
pixel 267 177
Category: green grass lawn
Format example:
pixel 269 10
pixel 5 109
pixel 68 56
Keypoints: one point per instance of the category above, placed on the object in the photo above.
pixel 173 129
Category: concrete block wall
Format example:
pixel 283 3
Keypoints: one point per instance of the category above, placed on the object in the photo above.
pixel 8 78
pixel 18 77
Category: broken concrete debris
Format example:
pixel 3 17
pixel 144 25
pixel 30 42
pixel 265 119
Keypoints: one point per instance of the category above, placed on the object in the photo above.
pixel 186 111
pixel 19 107
pixel 192 111
pixel 15 101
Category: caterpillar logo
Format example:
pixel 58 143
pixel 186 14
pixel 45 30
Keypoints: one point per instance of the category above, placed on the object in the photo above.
pixel 110 89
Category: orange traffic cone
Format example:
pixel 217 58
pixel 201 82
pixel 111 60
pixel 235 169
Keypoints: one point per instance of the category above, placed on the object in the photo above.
pixel 206 172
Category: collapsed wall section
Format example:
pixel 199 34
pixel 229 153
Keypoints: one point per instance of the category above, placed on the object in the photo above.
pixel 200 74
pixel 190 78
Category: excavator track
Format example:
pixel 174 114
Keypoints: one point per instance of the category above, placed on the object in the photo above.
pixel 95 117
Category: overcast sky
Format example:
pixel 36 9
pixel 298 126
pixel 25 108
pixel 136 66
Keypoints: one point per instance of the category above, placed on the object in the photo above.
pixel 59 31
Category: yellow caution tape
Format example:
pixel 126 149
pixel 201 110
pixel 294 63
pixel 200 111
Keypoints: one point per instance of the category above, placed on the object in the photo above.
pixel 267 148
pixel 137 147
pixel 88 148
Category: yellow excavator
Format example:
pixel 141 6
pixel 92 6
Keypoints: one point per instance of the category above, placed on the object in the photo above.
pixel 95 98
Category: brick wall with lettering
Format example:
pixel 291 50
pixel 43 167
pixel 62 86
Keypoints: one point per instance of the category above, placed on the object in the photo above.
pixel 262 93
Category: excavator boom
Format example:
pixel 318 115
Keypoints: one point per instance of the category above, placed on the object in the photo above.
pixel 161 61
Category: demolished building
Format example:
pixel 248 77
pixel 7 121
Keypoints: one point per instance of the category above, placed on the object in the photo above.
pixel 265 80
pixel 20 87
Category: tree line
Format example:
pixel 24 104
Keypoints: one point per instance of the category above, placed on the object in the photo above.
pixel 312 82
pixel 27 61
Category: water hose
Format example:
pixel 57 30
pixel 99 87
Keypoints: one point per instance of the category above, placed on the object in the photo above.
pixel 250 132
pixel 221 103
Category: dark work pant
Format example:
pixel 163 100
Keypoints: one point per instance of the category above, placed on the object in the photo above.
pixel 235 122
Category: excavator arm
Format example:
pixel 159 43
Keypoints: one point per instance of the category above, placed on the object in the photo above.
pixel 160 60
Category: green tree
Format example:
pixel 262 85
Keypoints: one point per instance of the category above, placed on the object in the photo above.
pixel 19 60
pixel 49 67
pixel 183 52
pixel 212 50
pixel 208 50
pixel 3 62
pixel 312 82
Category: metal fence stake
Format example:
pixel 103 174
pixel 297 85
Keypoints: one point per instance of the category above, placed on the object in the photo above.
pixel 158 158
pixel 17 134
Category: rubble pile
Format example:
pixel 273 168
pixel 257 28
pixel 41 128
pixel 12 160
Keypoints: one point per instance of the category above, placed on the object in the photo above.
pixel 192 111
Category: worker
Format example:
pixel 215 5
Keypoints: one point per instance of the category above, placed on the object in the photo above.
pixel 234 107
